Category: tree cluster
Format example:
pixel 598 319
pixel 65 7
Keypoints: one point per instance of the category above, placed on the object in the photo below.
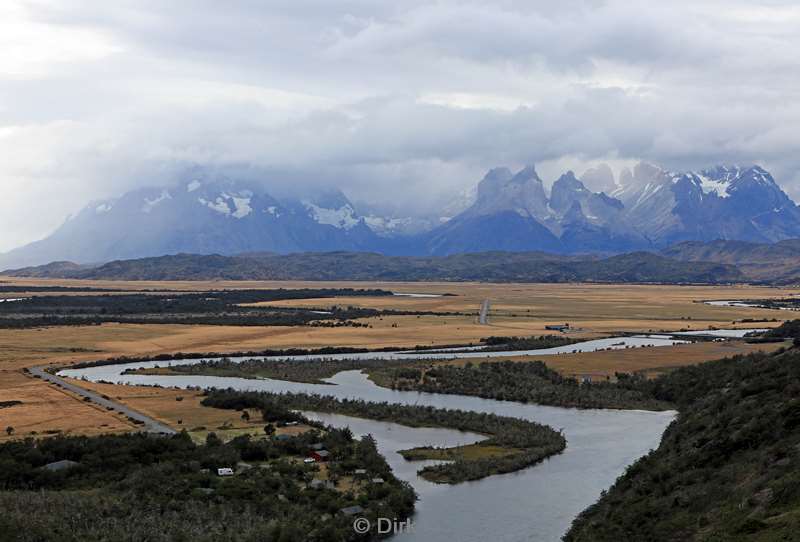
pixel 527 442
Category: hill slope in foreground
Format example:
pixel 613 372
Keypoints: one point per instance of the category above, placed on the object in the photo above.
pixel 486 266
pixel 728 469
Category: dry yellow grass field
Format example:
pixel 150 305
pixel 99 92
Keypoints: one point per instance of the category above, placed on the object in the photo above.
pixel 648 360
pixel 46 409
pixel 181 409
pixel 517 309
pixel 596 307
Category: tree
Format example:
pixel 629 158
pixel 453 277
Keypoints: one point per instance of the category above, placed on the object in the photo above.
pixel 9 430
pixel 212 440
pixel 269 429
pixel 246 416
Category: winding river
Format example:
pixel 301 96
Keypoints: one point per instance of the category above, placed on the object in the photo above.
pixel 536 504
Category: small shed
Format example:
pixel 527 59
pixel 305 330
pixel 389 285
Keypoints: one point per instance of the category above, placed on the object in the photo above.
pixel 224 471
pixel 361 473
pixel 377 480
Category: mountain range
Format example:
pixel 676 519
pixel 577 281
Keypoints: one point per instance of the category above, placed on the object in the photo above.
pixel 646 208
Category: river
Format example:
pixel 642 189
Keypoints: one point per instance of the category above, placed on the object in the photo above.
pixel 535 504
pixel 612 343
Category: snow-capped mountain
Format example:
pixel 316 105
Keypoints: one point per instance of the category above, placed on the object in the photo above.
pixel 724 202
pixel 646 208
pixel 201 216
pixel 508 214
pixel 513 212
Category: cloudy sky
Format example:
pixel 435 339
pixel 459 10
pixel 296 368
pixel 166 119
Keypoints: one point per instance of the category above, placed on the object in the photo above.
pixel 388 100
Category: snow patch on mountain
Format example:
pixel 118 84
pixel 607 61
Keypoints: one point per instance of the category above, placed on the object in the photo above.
pixel 103 208
pixel 150 204
pixel 650 189
pixel 237 205
pixel 388 226
pixel 194 185
pixel 219 205
pixel 343 217
pixel 242 205
pixel 718 187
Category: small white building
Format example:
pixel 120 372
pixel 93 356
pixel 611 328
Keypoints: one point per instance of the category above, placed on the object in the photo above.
pixel 224 471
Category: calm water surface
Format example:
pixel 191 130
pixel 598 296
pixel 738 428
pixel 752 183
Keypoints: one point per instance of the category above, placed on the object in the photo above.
pixel 611 343
pixel 535 504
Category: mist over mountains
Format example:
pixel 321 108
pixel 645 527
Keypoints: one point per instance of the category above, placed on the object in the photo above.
pixel 647 208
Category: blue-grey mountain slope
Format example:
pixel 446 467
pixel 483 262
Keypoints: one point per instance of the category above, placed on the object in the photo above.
pixel 648 208
pixel 202 217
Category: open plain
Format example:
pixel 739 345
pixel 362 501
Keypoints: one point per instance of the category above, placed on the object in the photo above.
pixel 592 310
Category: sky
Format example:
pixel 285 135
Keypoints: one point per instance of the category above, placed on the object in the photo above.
pixel 400 104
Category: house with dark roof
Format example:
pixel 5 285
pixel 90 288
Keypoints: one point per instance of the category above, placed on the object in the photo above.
pixel 352 510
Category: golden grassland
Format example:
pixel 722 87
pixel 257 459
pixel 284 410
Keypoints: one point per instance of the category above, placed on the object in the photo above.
pixel 181 409
pixel 517 309
pixel 46 410
pixel 596 307
pixel 650 361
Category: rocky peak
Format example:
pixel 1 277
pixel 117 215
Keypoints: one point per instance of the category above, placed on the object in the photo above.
pixel 526 175
pixel 567 190
pixel 523 193
pixel 599 179
pixel 596 207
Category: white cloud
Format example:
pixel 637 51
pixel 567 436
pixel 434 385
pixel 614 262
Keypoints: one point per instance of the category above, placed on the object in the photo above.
pixel 390 101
